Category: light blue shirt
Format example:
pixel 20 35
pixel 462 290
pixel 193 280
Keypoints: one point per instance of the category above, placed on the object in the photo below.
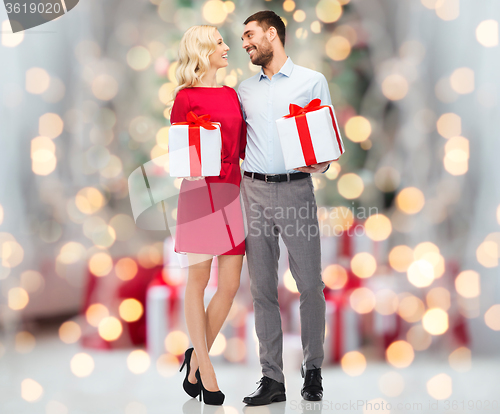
pixel 265 100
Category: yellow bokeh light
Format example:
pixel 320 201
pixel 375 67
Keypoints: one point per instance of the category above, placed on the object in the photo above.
pixel 289 5
pixel 400 258
pixel 350 186
pixel 435 321
pixel 468 284
pixel 362 300
pixel 334 171
pixel 176 342
pixel 460 359
pixel 335 276
pixel 438 297
pixel 89 200
pixel 11 253
pixel 363 265
pixel 162 137
pixel 400 354
pixel 299 16
pixel 130 310
pixel 105 87
pixel 219 345
pixel 358 128
pixel 462 80
pixel 72 252
pixel 214 11
pixel 449 125
pixel 37 81
pixel 386 302
pixel 138 361
pixel 229 6
pixel 100 264
pixel 328 11
pixel 338 48
pixel 411 308
pixel 82 365
pixel 70 332
pixel 391 383
pixel 24 342
pixel 420 273
pixel 378 227
pixel 487 33
pixel 50 125
pixel 316 27
pixel 165 92
pixel 419 338
pixel 289 282
pixel 126 268
pixel 167 365
pixel 439 387
pixel 96 313
pixel 31 390
pixel 17 298
pixel 410 200
pixel 487 253
pixel 10 39
pixel 395 87
pixel 353 363
pixel 448 9
pixel 437 262
pixel 492 317
pixel 139 58
pixel 110 328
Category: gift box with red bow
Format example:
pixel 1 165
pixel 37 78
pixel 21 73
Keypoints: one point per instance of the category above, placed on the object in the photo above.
pixel 195 147
pixel 309 135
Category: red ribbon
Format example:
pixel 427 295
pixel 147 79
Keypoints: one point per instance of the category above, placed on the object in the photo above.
pixel 302 127
pixel 194 123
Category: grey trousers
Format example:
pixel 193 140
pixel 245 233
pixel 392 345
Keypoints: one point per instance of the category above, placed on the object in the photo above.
pixel 287 209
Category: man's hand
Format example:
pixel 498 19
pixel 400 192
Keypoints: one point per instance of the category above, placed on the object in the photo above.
pixel 315 168
pixel 194 178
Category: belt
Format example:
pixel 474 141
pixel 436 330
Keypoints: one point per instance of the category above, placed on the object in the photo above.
pixel 277 178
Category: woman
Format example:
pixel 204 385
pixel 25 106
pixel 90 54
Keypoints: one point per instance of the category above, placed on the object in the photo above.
pixel 209 217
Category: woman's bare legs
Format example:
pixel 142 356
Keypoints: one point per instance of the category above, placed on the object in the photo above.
pixel 194 308
pixel 229 268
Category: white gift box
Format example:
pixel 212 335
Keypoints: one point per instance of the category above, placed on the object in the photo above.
pixel 317 128
pixel 183 155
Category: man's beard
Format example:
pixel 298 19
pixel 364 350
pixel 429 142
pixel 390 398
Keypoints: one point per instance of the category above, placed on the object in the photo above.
pixel 263 55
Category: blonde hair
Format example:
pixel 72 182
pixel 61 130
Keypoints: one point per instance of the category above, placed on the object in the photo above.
pixel 197 44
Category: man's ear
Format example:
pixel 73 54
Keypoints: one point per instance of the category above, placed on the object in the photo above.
pixel 272 33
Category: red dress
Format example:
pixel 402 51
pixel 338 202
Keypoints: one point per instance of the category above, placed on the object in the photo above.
pixel 209 216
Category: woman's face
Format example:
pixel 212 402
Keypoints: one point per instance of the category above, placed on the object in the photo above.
pixel 218 59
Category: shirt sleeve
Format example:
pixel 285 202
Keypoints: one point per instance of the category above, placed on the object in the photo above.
pixel 243 133
pixel 180 108
pixel 320 90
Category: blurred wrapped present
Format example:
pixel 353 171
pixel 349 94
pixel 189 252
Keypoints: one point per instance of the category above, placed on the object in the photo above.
pixel 114 305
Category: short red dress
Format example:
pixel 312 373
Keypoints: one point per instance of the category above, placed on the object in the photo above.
pixel 209 215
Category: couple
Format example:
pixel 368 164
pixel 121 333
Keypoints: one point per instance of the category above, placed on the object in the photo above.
pixel 249 132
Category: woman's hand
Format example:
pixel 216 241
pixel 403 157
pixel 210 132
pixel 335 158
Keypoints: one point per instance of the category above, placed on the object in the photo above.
pixel 194 178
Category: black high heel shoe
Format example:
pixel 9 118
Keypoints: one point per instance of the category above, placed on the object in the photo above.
pixel 209 397
pixel 192 389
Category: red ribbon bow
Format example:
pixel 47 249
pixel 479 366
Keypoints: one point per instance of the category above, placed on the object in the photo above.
pixel 314 105
pixel 194 120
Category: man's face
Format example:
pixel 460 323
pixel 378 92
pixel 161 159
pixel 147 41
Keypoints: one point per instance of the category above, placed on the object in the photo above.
pixel 255 42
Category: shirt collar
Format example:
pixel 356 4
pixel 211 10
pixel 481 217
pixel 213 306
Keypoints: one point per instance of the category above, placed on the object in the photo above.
pixel 286 69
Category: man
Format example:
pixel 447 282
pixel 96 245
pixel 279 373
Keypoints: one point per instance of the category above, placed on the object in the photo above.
pixel 274 201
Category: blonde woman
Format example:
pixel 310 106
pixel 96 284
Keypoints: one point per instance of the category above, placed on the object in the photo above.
pixel 209 217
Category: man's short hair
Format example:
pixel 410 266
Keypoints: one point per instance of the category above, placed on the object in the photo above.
pixel 266 19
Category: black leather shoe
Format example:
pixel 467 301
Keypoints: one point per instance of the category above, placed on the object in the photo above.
pixel 312 390
pixel 269 391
